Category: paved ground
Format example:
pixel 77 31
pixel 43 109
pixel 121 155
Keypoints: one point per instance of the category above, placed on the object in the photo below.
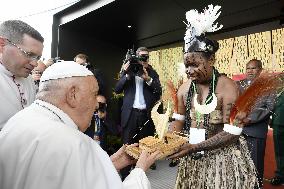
pixel 163 177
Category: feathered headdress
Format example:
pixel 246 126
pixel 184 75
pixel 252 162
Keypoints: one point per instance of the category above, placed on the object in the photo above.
pixel 197 25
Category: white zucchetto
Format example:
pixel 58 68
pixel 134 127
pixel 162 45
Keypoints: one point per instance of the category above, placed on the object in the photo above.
pixel 65 69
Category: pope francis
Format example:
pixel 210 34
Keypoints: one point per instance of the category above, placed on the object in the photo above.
pixel 43 147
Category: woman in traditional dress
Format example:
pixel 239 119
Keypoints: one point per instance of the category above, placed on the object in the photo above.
pixel 216 156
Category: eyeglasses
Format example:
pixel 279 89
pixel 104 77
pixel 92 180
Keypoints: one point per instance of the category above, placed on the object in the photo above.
pixel 29 55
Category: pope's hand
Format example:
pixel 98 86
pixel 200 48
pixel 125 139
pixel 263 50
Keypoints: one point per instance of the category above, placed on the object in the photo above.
pixel 182 151
pixel 121 159
pixel 146 159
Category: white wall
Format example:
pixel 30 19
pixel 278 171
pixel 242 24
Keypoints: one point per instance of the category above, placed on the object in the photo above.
pixel 37 13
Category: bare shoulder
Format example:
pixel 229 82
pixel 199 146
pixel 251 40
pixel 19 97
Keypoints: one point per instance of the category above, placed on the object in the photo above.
pixel 227 87
pixel 227 83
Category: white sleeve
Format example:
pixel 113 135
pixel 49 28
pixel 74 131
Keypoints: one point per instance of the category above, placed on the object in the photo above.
pixel 136 179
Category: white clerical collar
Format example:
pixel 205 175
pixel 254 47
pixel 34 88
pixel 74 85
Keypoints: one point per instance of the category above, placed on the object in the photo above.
pixel 5 71
pixel 61 115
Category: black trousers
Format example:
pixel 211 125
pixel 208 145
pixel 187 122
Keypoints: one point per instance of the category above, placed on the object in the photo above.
pixel 256 146
pixel 139 125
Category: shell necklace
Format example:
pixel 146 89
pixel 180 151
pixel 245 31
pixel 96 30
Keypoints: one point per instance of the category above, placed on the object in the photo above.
pixel 206 108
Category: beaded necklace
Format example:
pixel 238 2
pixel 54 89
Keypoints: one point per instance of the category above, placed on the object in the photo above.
pixel 191 91
pixel 22 97
pixel 23 100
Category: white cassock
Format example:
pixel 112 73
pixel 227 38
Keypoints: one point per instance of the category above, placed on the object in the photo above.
pixel 16 93
pixel 42 148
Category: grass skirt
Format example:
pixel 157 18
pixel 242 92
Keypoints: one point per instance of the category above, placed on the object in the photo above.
pixel 224 168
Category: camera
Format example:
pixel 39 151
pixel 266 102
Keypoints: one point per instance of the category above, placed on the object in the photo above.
pixel 102 107
pixel 135 68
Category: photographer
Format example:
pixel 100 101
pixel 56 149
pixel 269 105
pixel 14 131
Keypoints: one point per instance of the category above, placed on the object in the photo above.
pixel 142 89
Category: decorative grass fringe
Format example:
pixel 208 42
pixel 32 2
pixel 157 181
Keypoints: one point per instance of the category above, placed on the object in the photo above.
pixel 222 168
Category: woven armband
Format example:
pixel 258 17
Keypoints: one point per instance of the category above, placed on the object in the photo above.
pixel 232 129
pixel 178 117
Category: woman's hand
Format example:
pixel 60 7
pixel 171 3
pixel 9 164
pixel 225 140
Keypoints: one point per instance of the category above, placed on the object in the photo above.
pixel 241 120
pixel 182 151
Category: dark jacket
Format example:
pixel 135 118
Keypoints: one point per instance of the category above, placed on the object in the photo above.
pixel 127 85
pixel 107 127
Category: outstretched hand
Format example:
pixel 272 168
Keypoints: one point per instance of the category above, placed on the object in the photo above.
pixel 182 151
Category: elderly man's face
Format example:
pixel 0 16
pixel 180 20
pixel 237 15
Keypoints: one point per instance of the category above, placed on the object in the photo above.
pixel 88 101
pixel 252 70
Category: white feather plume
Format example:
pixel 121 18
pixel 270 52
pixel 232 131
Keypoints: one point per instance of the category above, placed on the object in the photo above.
pixel 200 23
